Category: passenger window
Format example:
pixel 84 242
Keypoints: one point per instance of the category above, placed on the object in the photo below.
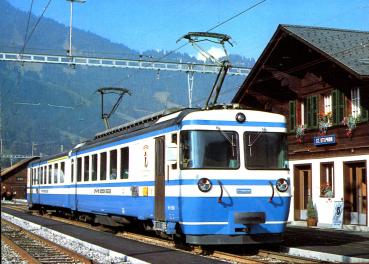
pixel 49 174
pixel 45 174
pixel 86 169
pixel 103 166
pixel 72 170
pixel 78 169
pixel 56 172
pixel 62 169
pixel 124 163
pixel 94 167
pixel 38 176
pixel 42 175
pixel 113 165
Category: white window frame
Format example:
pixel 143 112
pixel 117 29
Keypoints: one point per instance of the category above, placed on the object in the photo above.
pixel 355 102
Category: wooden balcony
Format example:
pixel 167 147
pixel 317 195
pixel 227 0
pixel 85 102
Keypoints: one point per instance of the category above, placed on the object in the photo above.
pixel 357 144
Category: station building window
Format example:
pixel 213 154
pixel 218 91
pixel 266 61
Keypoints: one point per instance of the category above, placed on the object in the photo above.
pixel 124 163
pixel 327 180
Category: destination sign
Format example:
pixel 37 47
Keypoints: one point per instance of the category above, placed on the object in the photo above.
pixel 325 140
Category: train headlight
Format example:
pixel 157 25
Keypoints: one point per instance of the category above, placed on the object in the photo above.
pixel 282 185
pixel 240 117
pixel 204 185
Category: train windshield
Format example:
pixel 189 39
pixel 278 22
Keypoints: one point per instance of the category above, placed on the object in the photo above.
pixel 202 149
pixel 265 150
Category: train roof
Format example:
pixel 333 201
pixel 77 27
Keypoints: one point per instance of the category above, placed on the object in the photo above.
pixel 50 158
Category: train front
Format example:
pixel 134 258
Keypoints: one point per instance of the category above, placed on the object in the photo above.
pixel 235 177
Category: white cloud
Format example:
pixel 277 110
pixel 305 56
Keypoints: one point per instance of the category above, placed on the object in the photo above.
pixel 215 52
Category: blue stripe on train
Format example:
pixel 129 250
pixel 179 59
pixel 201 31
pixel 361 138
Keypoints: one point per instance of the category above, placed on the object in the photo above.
pixel 194 210
pixel 233 123
pixel 151 183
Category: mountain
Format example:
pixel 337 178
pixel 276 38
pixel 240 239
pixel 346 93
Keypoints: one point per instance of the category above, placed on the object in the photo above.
pixel 46 108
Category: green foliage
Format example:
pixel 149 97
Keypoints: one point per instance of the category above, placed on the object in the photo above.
pixel 311 210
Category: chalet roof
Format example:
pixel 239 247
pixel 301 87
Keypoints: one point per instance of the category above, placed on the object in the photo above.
pixel 17 165
pixel 348 47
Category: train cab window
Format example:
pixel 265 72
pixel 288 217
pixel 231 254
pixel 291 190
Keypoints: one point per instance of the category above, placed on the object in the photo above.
pixel 103 166
pixel 113 165
pixel 124 163
pixel 259 154
pixel 56 172
pixel 86 173
pixel 79 169
pixel 62 171
pixel 94 167
pixel 49 174
pixel 217 149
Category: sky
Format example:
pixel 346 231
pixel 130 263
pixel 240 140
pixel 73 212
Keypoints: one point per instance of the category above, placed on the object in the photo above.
pixel 158 24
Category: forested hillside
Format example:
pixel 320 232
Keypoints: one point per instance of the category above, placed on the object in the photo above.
pixel 52 107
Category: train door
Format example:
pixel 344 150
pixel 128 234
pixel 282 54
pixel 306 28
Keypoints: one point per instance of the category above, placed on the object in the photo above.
pixel 355 193
pixel 160 179
pixel 37 185
pixel 30 181
pixel 73 188
pixel 302 190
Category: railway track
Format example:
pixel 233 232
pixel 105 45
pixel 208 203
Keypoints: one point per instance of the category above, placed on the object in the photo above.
pixel 35 249
pixel 232 256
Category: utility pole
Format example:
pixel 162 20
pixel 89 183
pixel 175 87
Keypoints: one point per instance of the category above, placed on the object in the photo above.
pixel 71 24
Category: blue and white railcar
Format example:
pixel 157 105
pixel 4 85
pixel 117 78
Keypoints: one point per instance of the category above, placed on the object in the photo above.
pixel 215 176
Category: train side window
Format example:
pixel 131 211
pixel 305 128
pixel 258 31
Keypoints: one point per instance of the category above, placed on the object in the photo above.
pixel 103 166
pixel 72 170
pixel 124 161
pixel 49 174
pixel 62 170
pixel 42 175
pixel 86 172
pixel 45 174
pixel 113 164
pixel 56 172
pixel 78 169
pixel 38 176
pixel 94 167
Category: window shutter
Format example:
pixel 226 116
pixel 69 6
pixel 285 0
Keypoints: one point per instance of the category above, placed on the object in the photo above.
pixel 338 106
pixel 292 116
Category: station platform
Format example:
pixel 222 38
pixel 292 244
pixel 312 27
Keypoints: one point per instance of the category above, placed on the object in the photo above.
pixel 327 244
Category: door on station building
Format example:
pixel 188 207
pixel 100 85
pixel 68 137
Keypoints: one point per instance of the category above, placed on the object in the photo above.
pixel 160 179
pixel 355 193
pixel 302 190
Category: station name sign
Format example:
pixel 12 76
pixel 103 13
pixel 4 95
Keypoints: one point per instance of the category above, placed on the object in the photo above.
pixel 325 140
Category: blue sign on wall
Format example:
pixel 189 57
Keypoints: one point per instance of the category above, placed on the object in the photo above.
pixel 325 140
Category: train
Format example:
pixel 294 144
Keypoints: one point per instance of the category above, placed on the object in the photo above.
pixel 209 176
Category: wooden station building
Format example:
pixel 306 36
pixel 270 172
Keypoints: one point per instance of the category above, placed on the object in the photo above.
pixel 319 79
pixel 14 180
